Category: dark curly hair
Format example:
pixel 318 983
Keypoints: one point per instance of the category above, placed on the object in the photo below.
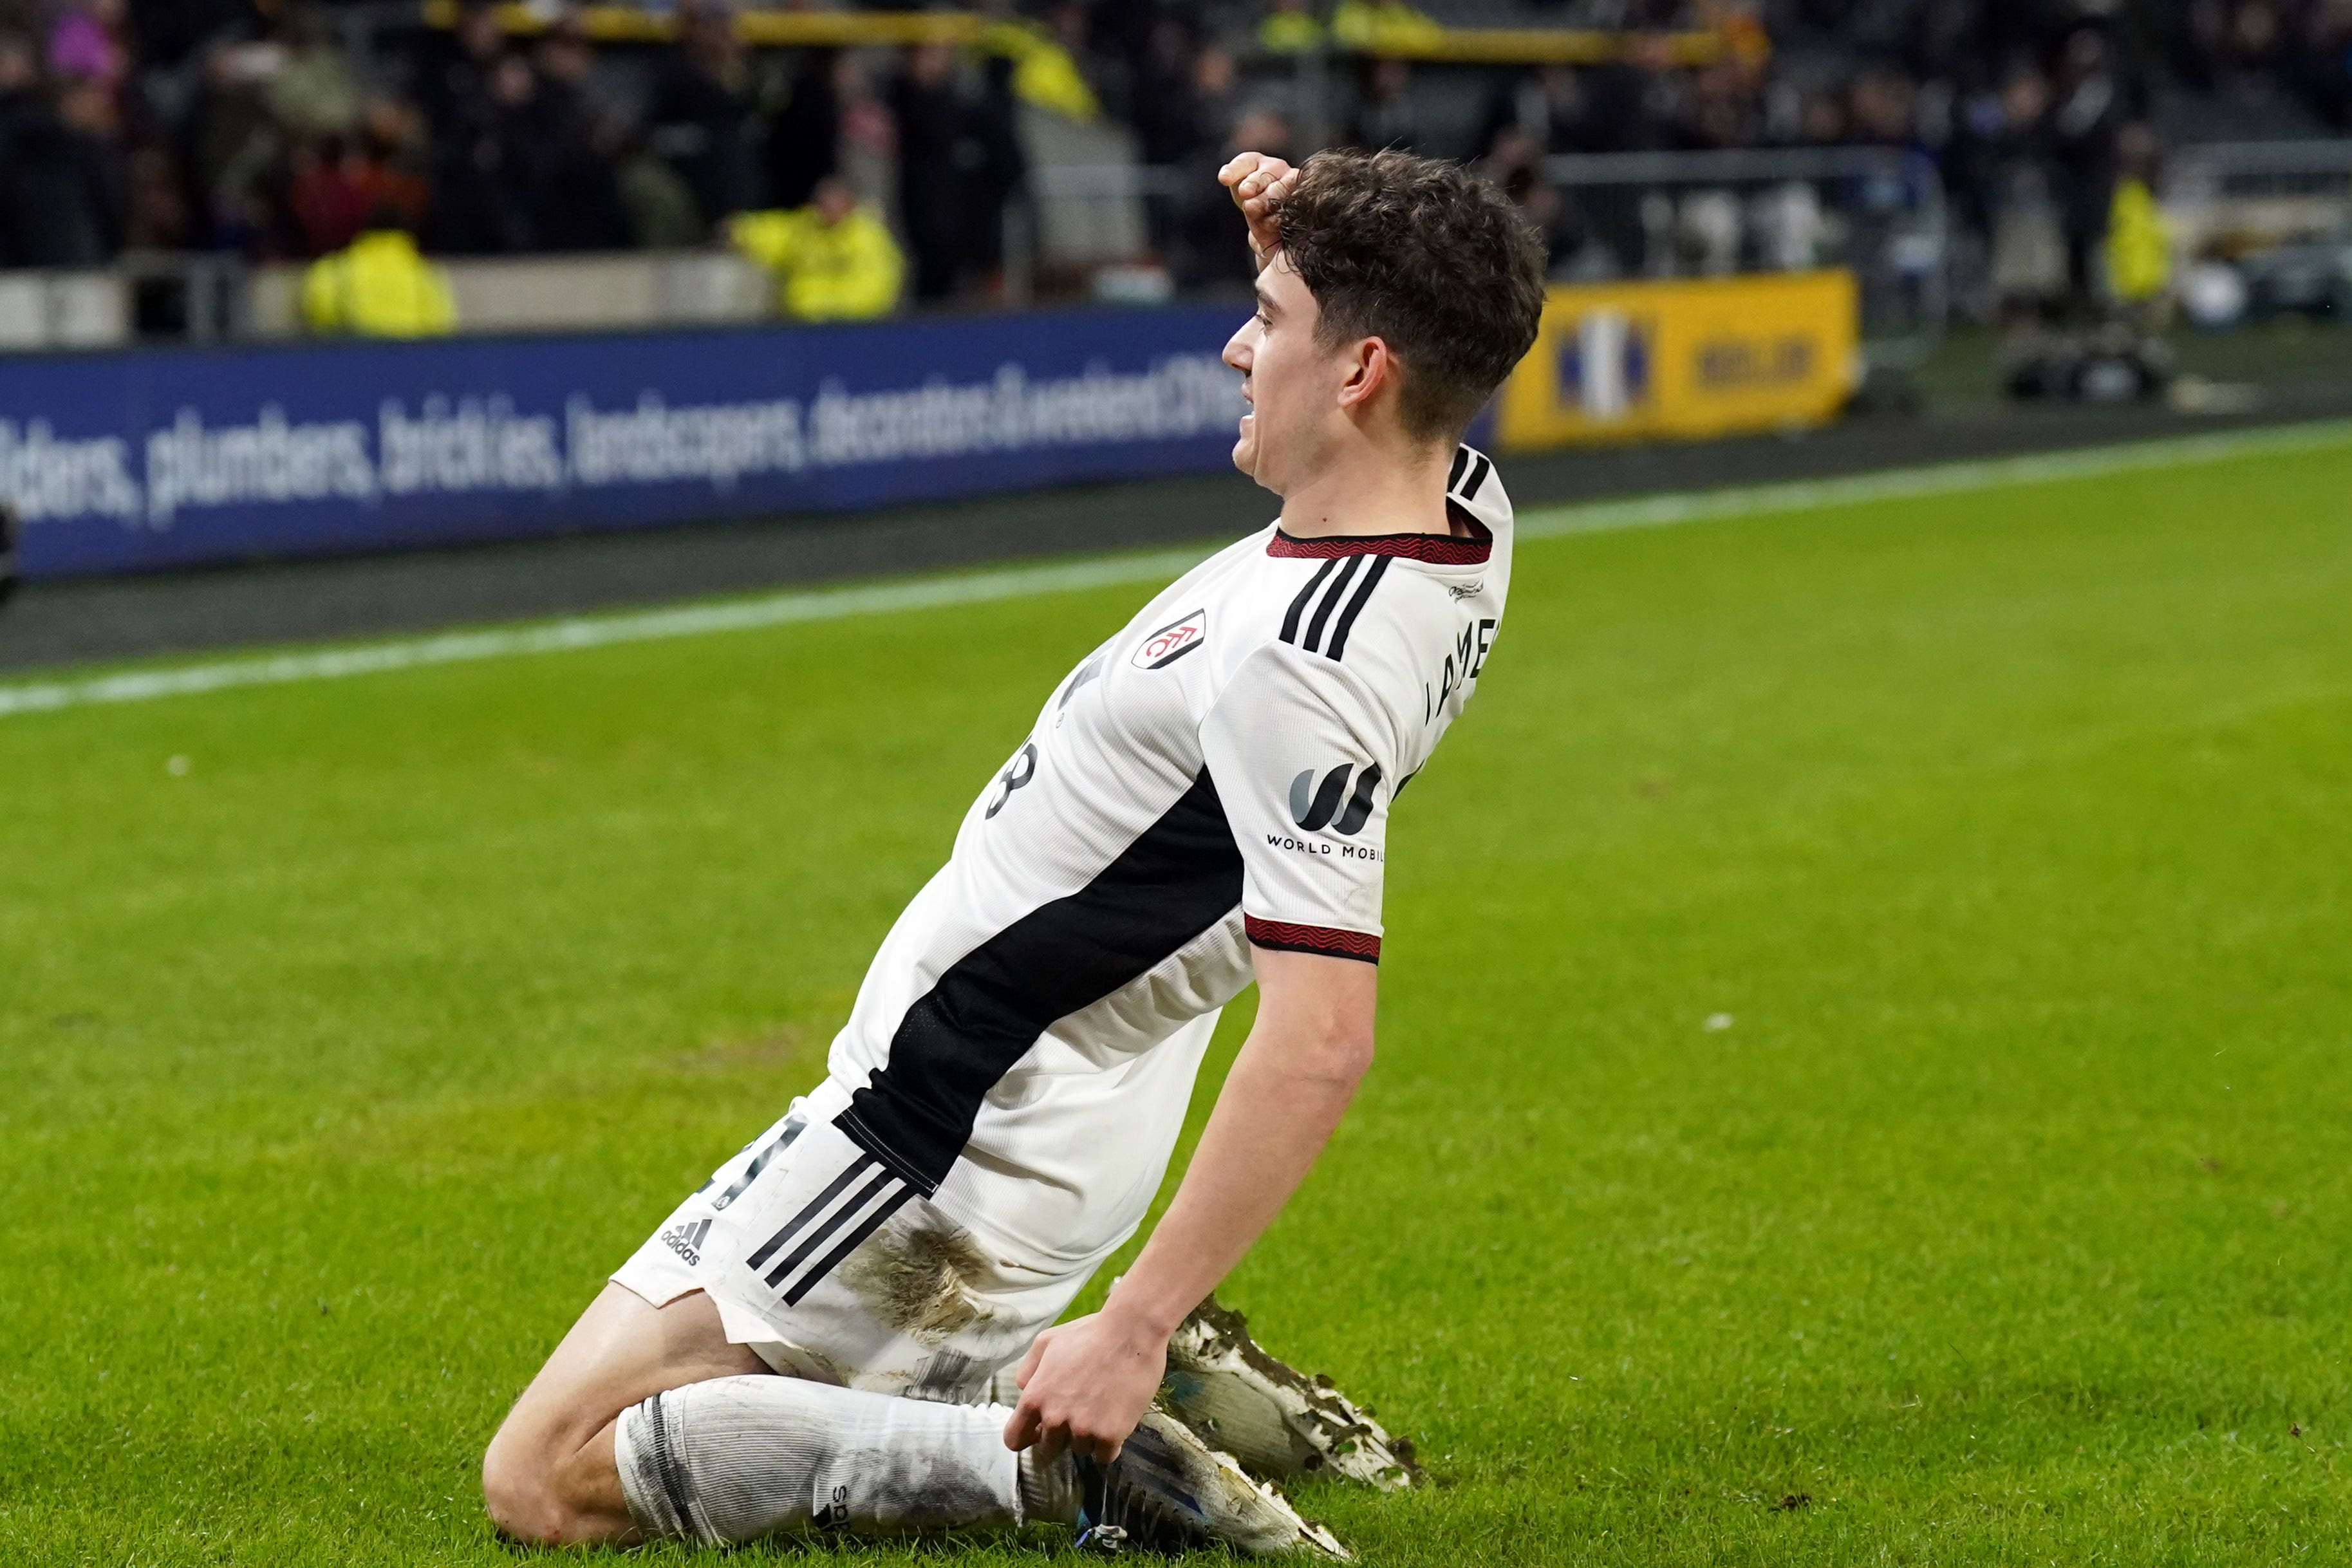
pixel 1432 260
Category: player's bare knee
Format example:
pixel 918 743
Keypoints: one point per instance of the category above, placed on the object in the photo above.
pixel 513 1486
pixel 523 1491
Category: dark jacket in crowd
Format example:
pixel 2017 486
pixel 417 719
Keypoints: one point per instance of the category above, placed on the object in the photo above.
pixel 958 163
pixel 577 205
pixel 64 194
pixel 703 128
pixel 803 139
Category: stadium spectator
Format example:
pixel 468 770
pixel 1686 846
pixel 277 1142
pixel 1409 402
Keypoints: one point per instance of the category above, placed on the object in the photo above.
pixel 250 126
pixel 491 164
pixel 578 199
pixel 327 193
pixel 379 287
pixel 2138 249
pixel 1183 105
pixel 2028 244
pixel 2324 66
pixel 803 130
pixel 1213 247
pixel 2084 118
pixel 958 165
pixel 703 116
pixel 310 89
pixel 1550 105
pixel 656 207
pixel 453 77
pixel 337 183
pixel 1186 98
pixel 87 43
pixel 64 183
pixel 834 259
pixel 934 162
pixel 1514 162
pixel 233 145
pixel 1389 116
pixel 867 154
pixel 1049 75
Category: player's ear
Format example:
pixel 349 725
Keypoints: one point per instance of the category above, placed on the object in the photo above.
pixel 1368 367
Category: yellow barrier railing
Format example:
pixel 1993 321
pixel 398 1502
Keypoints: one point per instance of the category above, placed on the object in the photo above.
pixel 851 29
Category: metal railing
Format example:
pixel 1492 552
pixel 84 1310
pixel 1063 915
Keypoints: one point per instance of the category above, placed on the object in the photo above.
pixel 2248 194
pixel 1878 211
pixel 1086 216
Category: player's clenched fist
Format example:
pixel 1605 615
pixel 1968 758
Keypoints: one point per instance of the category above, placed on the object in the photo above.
pixel 1258 181
pixel 1084 1387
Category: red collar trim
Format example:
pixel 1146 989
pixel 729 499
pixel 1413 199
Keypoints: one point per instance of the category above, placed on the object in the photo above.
pixel 1437 549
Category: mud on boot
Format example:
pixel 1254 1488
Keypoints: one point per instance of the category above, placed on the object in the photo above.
pixel 1275 1420
pixel 1169 1491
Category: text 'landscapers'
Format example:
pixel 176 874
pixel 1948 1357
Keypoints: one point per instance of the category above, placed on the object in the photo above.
pixel 464 444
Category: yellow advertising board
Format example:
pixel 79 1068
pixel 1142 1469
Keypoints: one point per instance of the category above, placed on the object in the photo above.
pixel 1682 359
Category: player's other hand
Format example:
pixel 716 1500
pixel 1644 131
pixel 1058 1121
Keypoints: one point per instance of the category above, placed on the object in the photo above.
pixel 1084 1384
pixel 1258 181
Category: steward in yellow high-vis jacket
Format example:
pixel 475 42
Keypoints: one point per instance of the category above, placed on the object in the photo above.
pixel 834 259
pixel 2139 247
pixel 379 287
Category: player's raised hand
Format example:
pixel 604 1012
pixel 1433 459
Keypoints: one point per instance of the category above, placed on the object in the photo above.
pixel 1084 1384
pixel 1258 181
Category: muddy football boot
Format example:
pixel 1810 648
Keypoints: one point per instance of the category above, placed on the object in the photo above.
pixel 1169 1491
pixel 1276 1421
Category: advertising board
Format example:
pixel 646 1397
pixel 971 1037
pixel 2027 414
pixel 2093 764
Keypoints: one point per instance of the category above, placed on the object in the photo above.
pixel 1684 359
pixel 161 457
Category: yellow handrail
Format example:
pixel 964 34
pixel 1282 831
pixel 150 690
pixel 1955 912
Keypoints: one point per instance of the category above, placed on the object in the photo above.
pixel 851 29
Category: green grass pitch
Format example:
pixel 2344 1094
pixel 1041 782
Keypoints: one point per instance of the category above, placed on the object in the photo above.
pixel 1997 1216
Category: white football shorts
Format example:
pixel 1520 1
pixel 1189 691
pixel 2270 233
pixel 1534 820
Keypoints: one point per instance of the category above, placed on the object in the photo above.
pixel 828 1266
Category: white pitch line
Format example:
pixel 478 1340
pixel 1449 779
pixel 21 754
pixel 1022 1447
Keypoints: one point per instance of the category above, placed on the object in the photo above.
pixel 981 587
pixel 596 631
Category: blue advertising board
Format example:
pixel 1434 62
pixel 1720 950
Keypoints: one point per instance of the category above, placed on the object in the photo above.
pixel 147 459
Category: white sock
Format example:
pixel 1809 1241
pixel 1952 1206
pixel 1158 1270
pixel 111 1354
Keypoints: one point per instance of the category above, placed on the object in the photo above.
pixel 737 1458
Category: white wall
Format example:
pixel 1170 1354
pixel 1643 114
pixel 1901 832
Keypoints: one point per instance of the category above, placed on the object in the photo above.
pixel 561 293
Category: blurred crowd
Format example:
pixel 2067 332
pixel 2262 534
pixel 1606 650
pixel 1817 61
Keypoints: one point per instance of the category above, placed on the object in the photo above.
pixel 260 129
pixel 284 129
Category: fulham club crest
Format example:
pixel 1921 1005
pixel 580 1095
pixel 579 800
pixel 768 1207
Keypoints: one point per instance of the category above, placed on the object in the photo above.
pixel 1173 641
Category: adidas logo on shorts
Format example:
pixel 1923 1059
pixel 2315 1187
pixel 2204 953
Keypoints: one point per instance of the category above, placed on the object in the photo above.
pixel 686 1240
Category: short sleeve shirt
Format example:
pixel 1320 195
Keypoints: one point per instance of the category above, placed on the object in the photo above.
pixel 1216 778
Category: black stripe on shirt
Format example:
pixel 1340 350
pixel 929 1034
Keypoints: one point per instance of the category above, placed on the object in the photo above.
pixel 1323 611
pixel 1356 606
pixel 1298 605
pixel 1469 490
pixel 1180 877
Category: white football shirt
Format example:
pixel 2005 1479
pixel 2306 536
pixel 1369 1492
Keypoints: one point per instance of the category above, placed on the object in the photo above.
pixel 1217 775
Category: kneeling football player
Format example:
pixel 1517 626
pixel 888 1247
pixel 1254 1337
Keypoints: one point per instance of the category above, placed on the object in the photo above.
pixel 851 1325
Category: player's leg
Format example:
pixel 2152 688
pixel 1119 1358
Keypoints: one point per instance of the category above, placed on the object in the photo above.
pixel 549 1474
pixel 647 1422
pixel 660 1413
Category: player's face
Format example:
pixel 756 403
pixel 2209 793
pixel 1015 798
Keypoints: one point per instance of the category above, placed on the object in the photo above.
pixel 1287 377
